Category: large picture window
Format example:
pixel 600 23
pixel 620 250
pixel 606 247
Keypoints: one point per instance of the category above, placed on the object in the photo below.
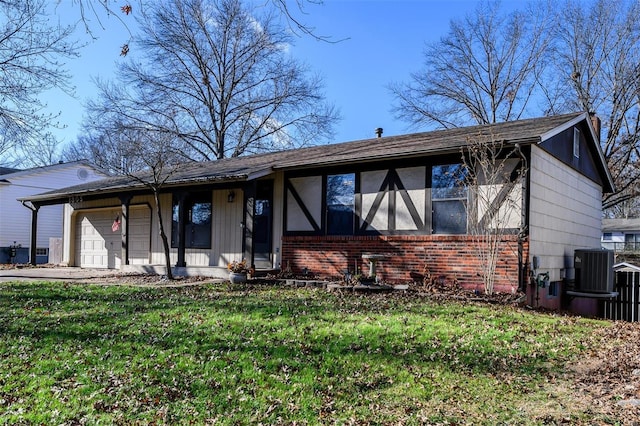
pixel 197 221
pixel 340 204
pixel 449 199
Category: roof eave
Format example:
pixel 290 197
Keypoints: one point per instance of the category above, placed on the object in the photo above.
pixel 566 125
pixel 260 173
pixel 611 184
pixel 130 187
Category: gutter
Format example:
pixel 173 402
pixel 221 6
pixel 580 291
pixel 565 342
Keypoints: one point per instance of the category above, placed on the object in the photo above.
pixel 30 206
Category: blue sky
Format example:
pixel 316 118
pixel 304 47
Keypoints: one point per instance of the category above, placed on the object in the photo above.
pixel 384 41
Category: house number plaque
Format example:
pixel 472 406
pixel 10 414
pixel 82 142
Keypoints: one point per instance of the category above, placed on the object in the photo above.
pixel 75 201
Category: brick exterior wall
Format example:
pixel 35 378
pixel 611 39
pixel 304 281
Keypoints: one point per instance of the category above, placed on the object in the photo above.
pixel 452 258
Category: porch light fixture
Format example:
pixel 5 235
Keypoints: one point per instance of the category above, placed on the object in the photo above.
pixel 231 196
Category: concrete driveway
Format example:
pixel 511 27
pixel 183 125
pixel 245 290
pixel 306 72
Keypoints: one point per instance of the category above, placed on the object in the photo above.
pixel 54 274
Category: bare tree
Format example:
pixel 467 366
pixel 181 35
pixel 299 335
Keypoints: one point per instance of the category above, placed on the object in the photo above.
pixel 148 158
pixel 32 48
pixel 493 176
pixel 483 71
pixel 627 209
pixel 110 149
pixel 159 161
pixel 499 67
pixel 598 62
pixel 218 77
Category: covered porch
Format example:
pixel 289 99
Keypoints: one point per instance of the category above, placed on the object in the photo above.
pixel 206 226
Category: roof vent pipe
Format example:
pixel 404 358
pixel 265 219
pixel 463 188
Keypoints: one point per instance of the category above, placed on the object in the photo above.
pixel 596 123
pixel 379 132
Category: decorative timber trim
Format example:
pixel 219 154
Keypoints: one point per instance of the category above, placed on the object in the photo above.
pixel 290 189
pixel 392 182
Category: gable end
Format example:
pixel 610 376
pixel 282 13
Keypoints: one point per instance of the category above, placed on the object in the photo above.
pixel 580 157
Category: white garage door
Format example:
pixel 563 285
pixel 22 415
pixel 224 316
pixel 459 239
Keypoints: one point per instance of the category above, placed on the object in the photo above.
pixel 98 246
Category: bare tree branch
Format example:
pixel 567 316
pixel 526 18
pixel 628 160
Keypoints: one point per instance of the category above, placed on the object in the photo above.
pixel 483 71
pixel 218 77
pixel 494 67
pixel 143 155
pixel 32 49
pixel 598 58
pixel 493 176
pixel 297 25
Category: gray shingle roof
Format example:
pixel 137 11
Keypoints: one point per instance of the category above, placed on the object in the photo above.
pixel 7 170
pixel 367 150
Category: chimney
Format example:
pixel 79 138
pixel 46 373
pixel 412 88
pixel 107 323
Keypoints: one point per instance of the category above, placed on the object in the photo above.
pixel 595 122
pixel 379 132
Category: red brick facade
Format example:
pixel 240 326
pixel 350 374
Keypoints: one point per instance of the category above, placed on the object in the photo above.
pixel 407 258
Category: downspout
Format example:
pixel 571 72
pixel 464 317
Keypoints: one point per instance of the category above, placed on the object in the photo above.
pixel 34 230
pixel 522 232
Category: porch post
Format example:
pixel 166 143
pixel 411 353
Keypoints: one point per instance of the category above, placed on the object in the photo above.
pixel 126 201
pixel 34 234
pixel 182 216
pixel 249 207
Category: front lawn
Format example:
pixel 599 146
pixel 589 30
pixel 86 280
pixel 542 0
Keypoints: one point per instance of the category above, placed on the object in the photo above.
pixel 221 354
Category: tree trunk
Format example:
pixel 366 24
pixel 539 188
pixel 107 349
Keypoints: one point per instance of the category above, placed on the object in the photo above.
pixel 163 236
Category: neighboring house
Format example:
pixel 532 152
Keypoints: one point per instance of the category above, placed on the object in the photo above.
pixel 320 209
pixel 15 219
pixel 621 235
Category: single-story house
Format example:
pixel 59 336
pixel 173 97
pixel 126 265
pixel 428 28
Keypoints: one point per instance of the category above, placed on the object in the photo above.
pixel 15 222
pixel 321 209
pixel 621 235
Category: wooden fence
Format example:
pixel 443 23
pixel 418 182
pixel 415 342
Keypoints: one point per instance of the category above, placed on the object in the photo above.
pixel 626 306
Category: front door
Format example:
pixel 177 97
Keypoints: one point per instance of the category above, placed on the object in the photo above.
pixel 263 225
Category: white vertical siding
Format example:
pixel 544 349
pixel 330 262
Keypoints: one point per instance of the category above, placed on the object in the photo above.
pixel 139 234
pixel 565 213
pixel 226 232
pixel 227 228
pixel 157 250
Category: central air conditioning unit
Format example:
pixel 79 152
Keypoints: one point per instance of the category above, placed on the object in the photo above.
pixel 594 270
